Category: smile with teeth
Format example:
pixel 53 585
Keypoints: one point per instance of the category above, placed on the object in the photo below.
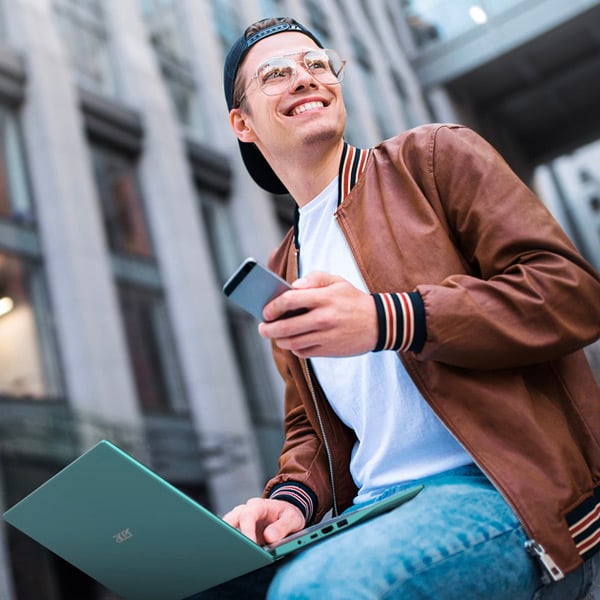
pixel 305 107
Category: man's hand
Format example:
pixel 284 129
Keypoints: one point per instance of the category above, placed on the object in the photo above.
pixel 341 320
pixel 266 521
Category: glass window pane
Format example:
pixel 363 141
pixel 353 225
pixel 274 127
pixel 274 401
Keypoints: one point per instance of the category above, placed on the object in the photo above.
pixel 152 350
pixel 252 364
pixel 220 232
pixel 226 15
pixel 81 26
pixel 437 20
pixel 122 204
pixel 15 200
pixel 163 19
pixel 30 366
pixel 318 20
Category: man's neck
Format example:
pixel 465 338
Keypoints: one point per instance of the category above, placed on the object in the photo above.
pixel 307 174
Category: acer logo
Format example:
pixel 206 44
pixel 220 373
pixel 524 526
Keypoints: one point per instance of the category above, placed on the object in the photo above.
pixel 123 536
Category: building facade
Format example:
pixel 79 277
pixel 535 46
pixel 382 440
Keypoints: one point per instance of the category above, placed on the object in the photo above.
pixel 124 206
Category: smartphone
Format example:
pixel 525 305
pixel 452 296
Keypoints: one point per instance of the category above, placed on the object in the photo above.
pixel 253 286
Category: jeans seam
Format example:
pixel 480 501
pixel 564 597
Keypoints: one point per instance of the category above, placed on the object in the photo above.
pixel 393 589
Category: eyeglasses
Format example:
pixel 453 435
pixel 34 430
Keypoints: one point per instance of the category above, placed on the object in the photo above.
pixel 276 75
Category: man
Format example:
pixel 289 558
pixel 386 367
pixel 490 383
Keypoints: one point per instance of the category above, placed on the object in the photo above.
pixel 446 313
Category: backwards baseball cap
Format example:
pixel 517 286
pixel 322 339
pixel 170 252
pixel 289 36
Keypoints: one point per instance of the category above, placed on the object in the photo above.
pixel 255 162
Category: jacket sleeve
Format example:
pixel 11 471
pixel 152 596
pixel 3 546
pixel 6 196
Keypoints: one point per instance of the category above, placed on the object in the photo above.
pixel 529 296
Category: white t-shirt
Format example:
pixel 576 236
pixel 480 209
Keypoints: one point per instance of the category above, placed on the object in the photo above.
pixel 399 437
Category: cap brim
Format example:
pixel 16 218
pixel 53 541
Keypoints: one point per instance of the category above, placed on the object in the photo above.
pixel 260 170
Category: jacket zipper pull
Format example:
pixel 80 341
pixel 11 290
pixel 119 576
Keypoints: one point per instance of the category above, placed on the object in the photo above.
pixel 551 570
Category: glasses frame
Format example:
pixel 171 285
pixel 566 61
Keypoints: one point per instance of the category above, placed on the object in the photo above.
pixel 302 61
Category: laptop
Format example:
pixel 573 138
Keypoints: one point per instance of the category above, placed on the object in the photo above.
pixel 139 536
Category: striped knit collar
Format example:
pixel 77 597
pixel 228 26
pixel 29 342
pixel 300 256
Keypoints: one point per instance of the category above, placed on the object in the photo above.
pixel 352 166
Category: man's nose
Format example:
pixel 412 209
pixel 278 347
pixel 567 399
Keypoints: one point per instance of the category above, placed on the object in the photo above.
pixel 304 77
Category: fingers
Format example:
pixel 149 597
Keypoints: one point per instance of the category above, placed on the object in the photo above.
pixel 265 521
pixel 290 520
pixel 315 279
pixel 247 517
pixel 291 301
pixel 341 320
pixel 256 516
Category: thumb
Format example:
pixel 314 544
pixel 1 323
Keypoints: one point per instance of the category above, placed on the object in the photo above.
pixel 290 520
pixel 315 279
pixel 275 532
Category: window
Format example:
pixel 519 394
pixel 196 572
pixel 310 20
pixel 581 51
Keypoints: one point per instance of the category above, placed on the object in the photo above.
pixel 270 8
pixel 122 205
pixel 15 201
pixel 152 350
pixel 182 89
pixel 115 138
pixel 81 25
pixel 227 23
pixel 162 19
pixel 250 349
pixel 220 232
pixel 410 118
pixel 28 355
pixel 252 364
pixel 432 21
pixel 318 20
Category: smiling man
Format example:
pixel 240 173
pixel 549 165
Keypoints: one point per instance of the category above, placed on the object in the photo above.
pixel 442 344
pixel 295 133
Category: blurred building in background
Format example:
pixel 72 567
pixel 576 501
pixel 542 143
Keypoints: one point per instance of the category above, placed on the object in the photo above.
pixel 124 206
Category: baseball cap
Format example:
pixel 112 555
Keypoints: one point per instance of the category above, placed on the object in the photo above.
pixel 255 162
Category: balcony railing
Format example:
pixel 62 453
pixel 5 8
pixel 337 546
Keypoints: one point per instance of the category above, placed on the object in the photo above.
pixel 51 433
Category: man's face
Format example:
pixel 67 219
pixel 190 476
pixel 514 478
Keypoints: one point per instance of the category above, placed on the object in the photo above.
pixel 308 112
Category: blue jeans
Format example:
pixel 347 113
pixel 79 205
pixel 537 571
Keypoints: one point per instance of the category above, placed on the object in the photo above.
pixel 458 539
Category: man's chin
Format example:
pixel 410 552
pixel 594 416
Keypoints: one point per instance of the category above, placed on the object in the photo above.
pixel 322 135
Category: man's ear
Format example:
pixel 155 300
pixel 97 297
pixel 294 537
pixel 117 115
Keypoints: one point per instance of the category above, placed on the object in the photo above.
pixel 240 126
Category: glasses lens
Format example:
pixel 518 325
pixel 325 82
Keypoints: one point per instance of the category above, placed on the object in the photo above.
pixel 276 75
pixel 325 66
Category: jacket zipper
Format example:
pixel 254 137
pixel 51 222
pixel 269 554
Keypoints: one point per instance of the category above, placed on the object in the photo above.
pixel 323 434
pixel 318 413
pixel 550 570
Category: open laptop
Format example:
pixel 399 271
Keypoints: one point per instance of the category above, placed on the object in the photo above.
pixel 139 536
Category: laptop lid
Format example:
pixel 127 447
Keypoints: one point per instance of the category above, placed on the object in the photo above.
pixel 141 537
pixel 132 531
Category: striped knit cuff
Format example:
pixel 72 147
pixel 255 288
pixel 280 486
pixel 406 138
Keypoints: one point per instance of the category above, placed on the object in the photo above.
pixel 401 322
pixel 297 494
pixel 584 526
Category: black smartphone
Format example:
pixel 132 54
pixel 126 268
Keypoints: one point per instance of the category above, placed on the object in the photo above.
pixel 252 286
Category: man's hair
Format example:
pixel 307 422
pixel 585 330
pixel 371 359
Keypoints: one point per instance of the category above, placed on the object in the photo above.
pixel 239 86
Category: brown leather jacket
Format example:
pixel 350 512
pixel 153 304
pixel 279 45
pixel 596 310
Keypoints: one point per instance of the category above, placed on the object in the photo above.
pixel 509 303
